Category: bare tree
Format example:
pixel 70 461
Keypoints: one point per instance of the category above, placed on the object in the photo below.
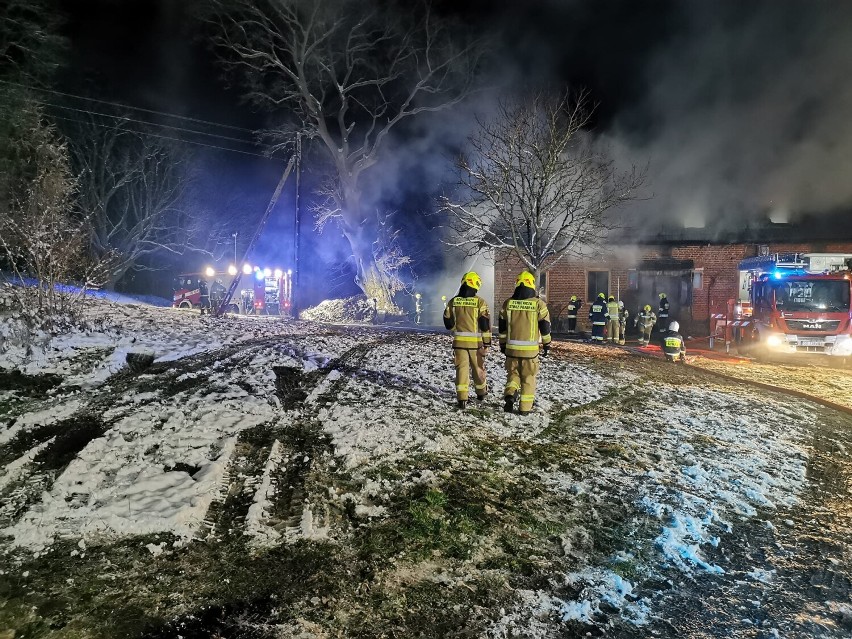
pixel 534 186
pixel 43 240
pixel 30 51
pixel 351 76
pixel 131 188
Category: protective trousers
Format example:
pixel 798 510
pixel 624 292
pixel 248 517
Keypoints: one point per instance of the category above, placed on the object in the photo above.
pixel 598 332
pixel 645 334
pixel 469 361
pixel 572 323
pixel 520 375
pixel 614 330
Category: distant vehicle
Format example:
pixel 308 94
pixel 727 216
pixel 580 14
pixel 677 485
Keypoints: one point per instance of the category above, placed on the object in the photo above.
pixel 793 303
pixel 271 292
pixel 187 291
pixel 267 291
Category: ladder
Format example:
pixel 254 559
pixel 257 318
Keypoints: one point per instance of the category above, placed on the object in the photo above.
pixel 229 294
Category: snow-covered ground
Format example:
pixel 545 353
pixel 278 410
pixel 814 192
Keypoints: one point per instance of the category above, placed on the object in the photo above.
pixel 626 490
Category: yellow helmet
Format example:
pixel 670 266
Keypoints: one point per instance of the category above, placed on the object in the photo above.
pixel 612 298
pixel 526 278
pixel 601 296
pixel 472 279
pixel 662 295
pixel 573 298
pixel 647 307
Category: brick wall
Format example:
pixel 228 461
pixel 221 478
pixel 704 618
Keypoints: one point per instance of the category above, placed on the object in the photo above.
pixel 719 283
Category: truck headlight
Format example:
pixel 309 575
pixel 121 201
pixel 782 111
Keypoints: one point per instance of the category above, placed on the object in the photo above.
pixel 774 340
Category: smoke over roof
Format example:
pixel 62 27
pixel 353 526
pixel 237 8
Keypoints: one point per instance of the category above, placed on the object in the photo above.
pixel 739 109
pixel 746 111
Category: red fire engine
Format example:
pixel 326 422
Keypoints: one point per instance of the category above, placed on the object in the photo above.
pixel 270 291
pixel 187 291
pixel 792 303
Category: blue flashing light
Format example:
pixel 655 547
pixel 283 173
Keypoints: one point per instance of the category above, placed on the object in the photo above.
pixel 778 275
pixel 258 275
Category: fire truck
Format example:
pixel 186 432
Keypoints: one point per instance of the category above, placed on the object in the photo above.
pixel 187 290
pixel 268 291
pixel 792 303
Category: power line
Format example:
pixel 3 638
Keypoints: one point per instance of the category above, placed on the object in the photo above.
pixel 165 126
pixel 124 106
pixel 166 137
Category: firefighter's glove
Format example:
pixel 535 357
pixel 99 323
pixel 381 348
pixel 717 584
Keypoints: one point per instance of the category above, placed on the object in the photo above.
pixel 544 349
pixel 483 349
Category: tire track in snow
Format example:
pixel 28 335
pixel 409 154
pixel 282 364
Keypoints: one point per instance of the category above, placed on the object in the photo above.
pixel 261 497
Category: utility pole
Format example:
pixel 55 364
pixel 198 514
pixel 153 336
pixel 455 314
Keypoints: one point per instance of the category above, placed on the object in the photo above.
pixel 235 250
pixel 297 238
pixel 236 280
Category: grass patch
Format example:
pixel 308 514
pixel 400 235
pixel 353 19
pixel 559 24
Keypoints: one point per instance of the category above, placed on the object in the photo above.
pixel 122 590
pixel 30 385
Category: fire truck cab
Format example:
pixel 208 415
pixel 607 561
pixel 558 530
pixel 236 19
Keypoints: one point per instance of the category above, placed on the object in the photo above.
pixel 187 291
pixel 798 302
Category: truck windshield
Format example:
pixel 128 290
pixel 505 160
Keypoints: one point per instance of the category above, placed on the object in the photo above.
pixel 812 295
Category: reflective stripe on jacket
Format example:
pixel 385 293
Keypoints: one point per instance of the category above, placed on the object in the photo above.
pixel 465 315
pixel 673 343
pixel 646 319
pixel 612 309
pixel 523 323
pixel 598 314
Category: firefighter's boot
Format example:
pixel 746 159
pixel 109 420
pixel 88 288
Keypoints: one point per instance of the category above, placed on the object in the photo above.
pixel 462 404
pixel 508 406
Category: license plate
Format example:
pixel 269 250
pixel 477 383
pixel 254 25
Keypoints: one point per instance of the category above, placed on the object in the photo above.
pixel 811 342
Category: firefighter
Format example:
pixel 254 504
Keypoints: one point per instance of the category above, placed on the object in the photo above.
pixel 598 316
pixel 645 321
pixel 205 297
pixel 573 308
pixel 418 308
pixel 613 324
pixel 663 314
pixel 217 294
pixel 673 344
pixel 623 314
pixel 524 321
pixel 466 315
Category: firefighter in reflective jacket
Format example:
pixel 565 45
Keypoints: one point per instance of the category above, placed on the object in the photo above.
pixel 524 321
pixel 598 316
pixel 673 344
pixel 623 314
pixel 614 324
pixel 573 308
pixel 466 315
pixel 663 314
pixel 645 321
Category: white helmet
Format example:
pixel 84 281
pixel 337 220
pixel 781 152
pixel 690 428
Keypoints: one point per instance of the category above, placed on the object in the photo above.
pixel 674 326
pixel 620 304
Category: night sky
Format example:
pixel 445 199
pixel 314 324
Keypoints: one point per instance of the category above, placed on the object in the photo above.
pixel 738 109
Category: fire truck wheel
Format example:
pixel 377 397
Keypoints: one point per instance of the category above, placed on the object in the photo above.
pixel 185 304
pixel 233 308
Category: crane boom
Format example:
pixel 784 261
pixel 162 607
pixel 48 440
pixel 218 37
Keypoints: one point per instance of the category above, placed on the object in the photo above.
pixel 229 294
